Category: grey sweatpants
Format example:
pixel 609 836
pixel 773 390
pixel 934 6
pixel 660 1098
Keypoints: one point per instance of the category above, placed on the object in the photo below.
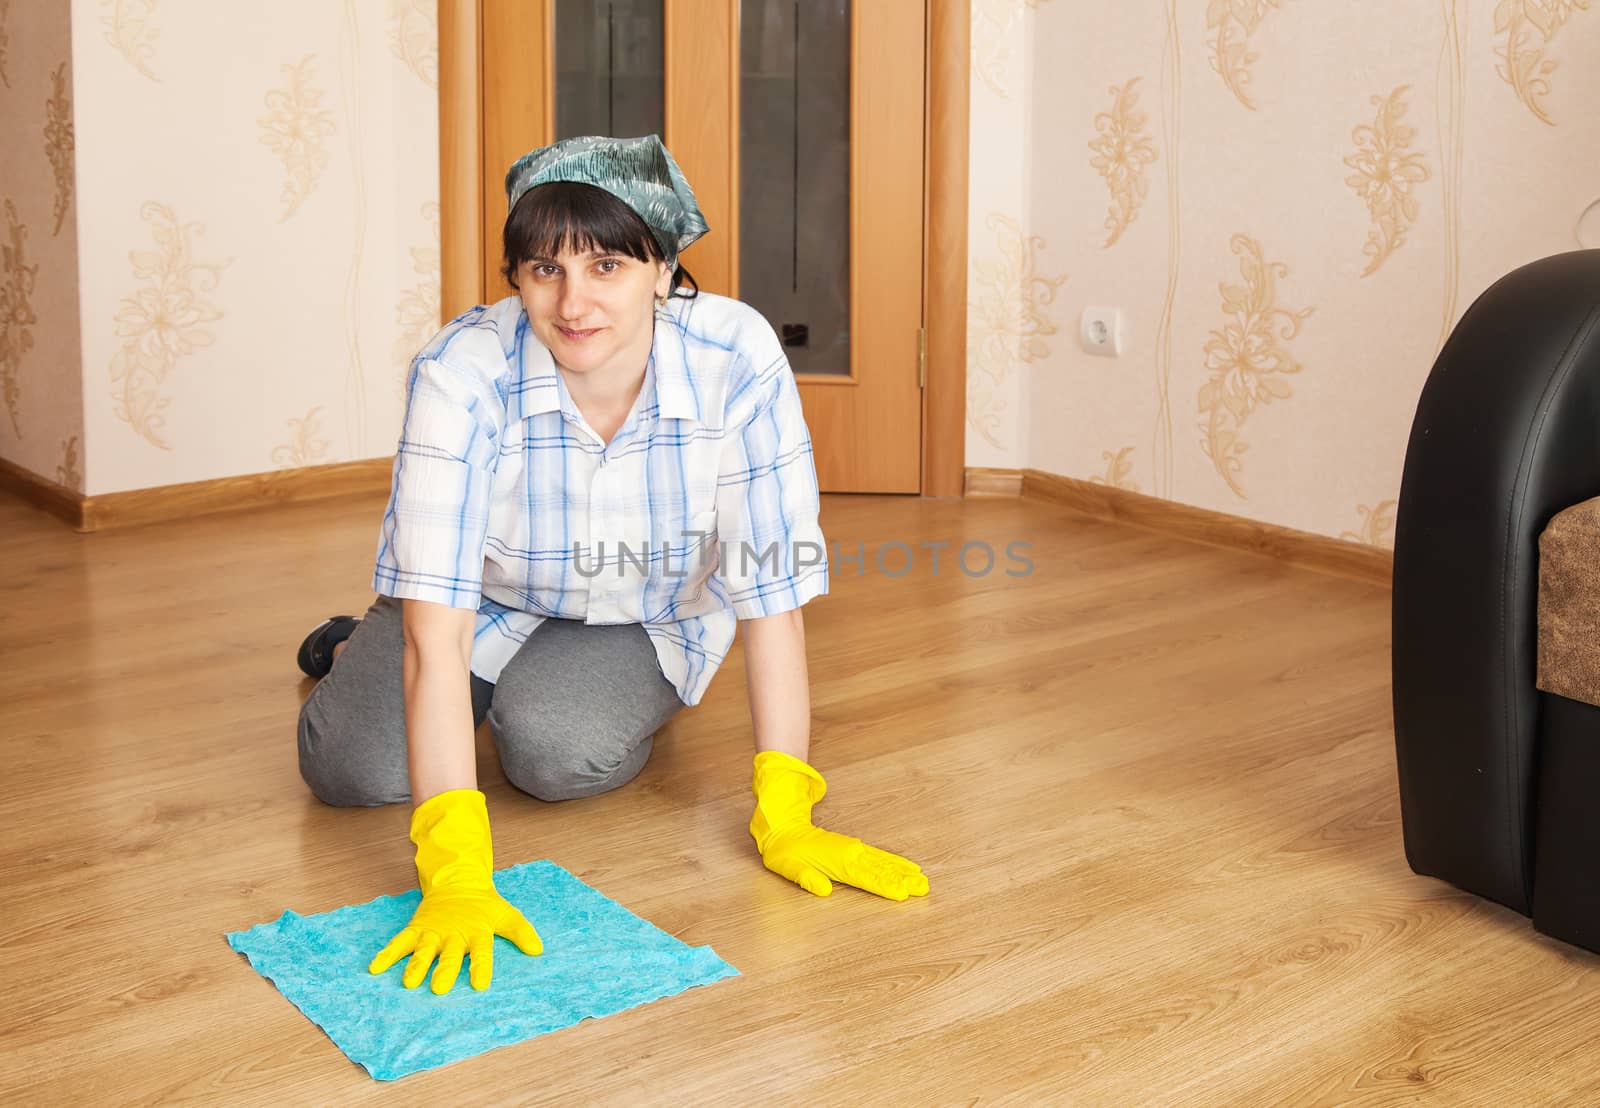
pixel 573 714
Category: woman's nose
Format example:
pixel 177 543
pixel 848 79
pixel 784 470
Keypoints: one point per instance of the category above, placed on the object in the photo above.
pixel 574 301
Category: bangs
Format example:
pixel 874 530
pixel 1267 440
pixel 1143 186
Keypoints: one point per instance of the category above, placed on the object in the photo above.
pixel 570 216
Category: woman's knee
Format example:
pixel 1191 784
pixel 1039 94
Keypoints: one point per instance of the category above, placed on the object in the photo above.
pixel 552 766
pixel 339 772
pixel 352 726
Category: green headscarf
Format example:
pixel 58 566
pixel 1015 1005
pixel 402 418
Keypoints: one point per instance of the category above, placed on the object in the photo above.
pixel 638 171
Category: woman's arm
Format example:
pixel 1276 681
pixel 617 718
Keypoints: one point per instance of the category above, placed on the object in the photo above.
pixel 437 679
pixel 461 911
pixel 777 682
pixel 786 785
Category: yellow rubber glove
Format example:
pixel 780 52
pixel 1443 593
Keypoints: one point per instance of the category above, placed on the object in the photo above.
pixel 812 858
pixel 461 912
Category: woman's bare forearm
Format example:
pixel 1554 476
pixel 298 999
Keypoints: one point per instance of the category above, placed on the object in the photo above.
pixel 775 678
pixel 440 749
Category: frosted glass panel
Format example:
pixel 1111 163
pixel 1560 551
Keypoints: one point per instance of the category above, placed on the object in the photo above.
pixel 794 175
pixel 608 56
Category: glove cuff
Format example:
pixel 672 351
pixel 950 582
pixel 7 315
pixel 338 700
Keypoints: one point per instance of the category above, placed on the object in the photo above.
pixel 451 831
pixel 785 789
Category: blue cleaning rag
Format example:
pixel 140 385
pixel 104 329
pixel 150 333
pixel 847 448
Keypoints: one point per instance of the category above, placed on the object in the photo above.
pixel 599 958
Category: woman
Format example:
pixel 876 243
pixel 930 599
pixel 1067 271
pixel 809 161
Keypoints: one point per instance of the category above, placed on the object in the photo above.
pixel 544 560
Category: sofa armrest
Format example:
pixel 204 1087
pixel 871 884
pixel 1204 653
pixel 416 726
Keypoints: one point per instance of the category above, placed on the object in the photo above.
pixel 1569 604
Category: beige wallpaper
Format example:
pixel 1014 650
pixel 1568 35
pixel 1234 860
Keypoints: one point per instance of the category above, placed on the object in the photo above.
pixel 256 205
pixel 1012 282
pixel 41 387
pixel 217 261
pixel 1291 203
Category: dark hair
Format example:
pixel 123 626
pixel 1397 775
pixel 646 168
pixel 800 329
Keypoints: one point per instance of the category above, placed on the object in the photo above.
pixel 570 215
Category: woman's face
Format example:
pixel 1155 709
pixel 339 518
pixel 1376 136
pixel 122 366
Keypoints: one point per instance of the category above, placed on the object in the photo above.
pixel 595 311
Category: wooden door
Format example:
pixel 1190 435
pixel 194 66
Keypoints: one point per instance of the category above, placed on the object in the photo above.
pixel 865 416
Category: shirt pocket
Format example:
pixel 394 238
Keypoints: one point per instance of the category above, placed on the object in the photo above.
pixel 689 541
pixel 702 527
pixel 686 556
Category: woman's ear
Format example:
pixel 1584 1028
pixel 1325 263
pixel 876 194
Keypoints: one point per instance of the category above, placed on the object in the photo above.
pixel 663 281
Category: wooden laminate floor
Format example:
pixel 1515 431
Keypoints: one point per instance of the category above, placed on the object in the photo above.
pixel 1152 784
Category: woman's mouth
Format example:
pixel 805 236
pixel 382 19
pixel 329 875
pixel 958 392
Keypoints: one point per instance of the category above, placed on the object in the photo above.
pixel 576 336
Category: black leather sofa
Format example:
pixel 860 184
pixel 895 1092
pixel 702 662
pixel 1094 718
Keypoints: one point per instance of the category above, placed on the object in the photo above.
pixel 1499 781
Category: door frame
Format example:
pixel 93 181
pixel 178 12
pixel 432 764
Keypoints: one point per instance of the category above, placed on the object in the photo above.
pixel 464 206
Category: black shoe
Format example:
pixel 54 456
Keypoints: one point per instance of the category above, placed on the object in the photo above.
pixel 316 653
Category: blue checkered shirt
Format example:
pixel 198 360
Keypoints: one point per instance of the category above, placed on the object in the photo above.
pixel 701 511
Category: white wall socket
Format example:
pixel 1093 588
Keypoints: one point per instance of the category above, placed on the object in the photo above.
pixel 1100 331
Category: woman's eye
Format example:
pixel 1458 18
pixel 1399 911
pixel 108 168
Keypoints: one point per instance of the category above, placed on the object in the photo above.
pixel 543 270
pixel 609 265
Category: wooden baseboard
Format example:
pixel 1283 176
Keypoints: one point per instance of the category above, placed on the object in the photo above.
pixel 60 501
pixel 196 498
pixel 1285 544
pixel 992 482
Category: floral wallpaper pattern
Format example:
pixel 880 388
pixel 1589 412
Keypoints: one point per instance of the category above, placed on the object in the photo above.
pixel 1231 23
pixel 69 473
pixel 992 56
pixel 1386 171
pixel 414 38
pixel 5 42
pixel 1118 470
pixel 1377 524
pixel 1122 152
pixel 304 448
pixel 418 311
pixel 295 128
pixel 1527 29
pixel 1248 358
pixel 58 143
pixel 1009 322
pixel 161 322
pixel 179 274
pixel 17 279
pixel 1290 204
pixel 131 29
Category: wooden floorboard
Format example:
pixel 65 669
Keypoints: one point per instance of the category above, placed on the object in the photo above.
pixel 1152 784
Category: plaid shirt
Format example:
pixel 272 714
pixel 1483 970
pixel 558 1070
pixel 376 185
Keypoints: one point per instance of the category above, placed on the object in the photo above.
pixel 701 511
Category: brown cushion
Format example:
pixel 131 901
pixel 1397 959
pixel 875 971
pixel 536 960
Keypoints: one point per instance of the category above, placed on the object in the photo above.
pixel 1569 604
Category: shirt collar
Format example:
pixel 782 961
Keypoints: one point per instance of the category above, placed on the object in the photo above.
pixel 536 386
pixel 675 392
